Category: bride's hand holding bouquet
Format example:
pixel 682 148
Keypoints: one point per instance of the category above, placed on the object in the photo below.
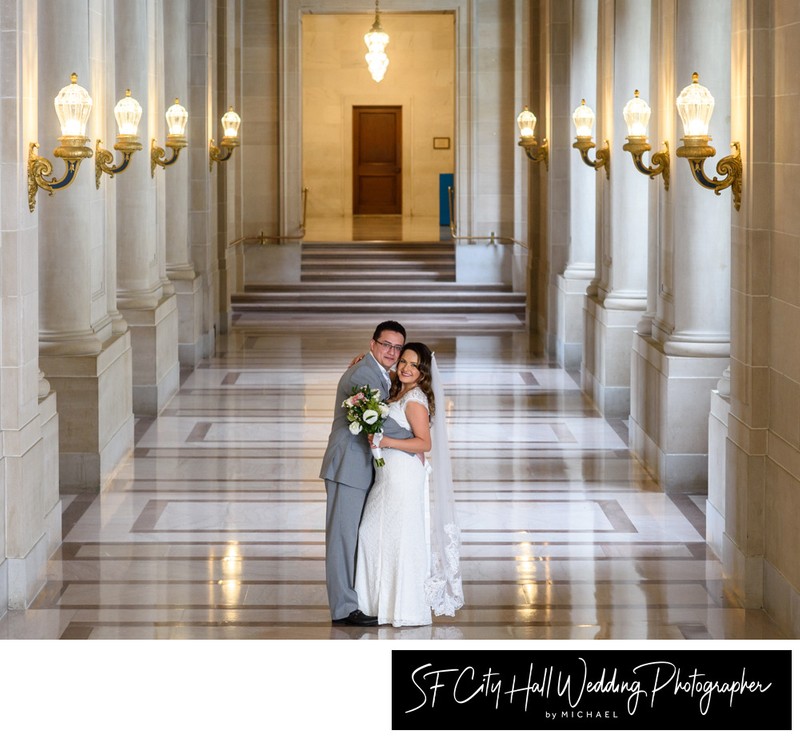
pixel 366 413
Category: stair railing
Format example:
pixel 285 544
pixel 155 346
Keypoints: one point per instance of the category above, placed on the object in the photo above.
pixel 491 238
pixel 262 238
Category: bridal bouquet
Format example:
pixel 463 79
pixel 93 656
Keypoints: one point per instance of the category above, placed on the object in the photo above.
pixel 366 412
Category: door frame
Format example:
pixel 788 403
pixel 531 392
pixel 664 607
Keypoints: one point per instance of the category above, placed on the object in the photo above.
pixel 290 144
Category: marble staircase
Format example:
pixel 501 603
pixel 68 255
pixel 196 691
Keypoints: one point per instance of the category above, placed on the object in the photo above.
pixel 381 261
pixel 379 277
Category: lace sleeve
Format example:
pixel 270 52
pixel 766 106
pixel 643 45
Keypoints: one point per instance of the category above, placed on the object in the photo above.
pixel 416 395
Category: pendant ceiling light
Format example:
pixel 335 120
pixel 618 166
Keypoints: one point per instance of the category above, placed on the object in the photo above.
pixel 376 40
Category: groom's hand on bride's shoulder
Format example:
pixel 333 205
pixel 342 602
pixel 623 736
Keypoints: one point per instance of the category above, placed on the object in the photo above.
pixel 356 360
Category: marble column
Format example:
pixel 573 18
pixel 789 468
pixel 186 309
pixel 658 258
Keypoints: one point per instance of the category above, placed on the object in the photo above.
pixel 203 125
pixel 150 313
pixel 660 130
pixel 718 423
pixel 580 270
pixel 84 360
pixel 226 175
pixel 30 528
pixel 71 322
pixel 753 506
pixel 105 98
pixel 682 361
pixel 180 268
pixel 621 296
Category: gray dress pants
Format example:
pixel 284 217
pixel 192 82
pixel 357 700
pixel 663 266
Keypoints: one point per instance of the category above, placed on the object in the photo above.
pixel 343 515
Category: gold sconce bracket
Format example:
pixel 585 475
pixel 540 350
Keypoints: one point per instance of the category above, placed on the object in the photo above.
pixel 697 149
pixel 637 146
pixel 534 151
pixel 158 154
pixel 103 158
pixel 222 152
pixel 602 157
pixel 73 150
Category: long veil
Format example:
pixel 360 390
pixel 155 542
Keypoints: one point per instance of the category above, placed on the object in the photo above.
pixel 443 588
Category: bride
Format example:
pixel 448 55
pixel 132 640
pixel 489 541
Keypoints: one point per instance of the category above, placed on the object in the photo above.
pixel 408 541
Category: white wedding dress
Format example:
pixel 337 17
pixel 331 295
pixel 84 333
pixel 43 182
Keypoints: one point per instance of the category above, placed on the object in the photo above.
pixel 393 557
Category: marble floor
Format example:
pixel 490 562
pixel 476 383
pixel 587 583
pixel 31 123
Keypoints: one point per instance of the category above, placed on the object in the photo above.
pixel 190 593
pixel 213 529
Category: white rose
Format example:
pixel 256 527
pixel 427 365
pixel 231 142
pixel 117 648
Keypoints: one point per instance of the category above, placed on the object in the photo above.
pixel 384 410
pixel 355 427
pixel 370 416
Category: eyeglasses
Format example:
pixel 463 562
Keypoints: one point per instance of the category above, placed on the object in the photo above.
pixel 389 346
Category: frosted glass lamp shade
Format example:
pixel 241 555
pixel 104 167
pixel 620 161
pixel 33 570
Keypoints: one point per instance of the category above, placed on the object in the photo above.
pixel 73 105
pixel 583 118
pixel 695 106
pixel 377 63
pixel 176 119
pixel 230 124
pixel 637 115
pixel 376 40
pixel 128 113
pixel 526 122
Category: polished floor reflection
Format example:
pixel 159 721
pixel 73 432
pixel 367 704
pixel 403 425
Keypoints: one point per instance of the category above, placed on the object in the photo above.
pixel 214 528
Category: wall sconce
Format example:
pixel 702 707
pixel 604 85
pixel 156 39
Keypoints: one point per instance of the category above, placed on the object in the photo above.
pixel 583 118
pixel 230 127
pixel 73 106
pixel 176 138
pixel 695 105
pixel 637 115
pixel 128 113
pixel 527 123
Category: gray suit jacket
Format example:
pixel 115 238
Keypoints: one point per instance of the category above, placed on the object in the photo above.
pixel 348 459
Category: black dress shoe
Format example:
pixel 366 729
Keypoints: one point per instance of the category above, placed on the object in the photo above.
pixel 359 618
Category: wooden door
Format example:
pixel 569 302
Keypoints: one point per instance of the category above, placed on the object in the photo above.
pixel 377 160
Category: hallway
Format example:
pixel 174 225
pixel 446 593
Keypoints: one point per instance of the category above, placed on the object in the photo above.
pixel 214 528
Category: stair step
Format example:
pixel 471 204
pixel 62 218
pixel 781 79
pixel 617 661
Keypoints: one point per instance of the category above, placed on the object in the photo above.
pixel 385 307
pixel 470 298
pixel 381 254
pixel 358 245
pixel 378 248
pixel 346 258
pixel 354 286
pixel 375 263
pixel 378 262
pixel 380 276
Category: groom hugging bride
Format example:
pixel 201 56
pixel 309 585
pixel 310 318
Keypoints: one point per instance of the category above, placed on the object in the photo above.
pixel 391 538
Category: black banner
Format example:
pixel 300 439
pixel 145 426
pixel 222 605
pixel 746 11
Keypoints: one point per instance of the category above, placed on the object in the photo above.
pixel 592 690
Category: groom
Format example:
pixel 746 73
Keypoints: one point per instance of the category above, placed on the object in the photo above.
pixel 347 469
